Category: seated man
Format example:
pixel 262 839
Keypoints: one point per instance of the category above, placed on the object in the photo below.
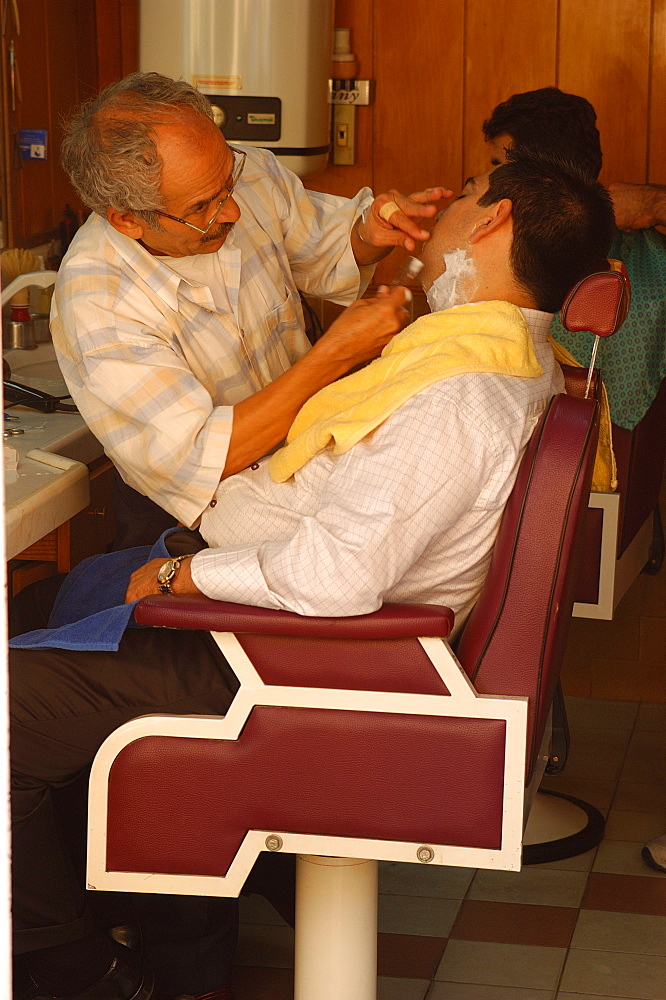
pixel 390 488
pixel 549 119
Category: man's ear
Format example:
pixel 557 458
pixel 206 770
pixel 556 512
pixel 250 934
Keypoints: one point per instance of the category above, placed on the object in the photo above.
pixel 126 223
pixel 498 215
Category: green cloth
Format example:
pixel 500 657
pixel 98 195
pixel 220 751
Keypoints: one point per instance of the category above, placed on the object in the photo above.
pixel 632 361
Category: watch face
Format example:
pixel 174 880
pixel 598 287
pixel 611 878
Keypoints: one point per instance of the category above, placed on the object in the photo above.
pixel 166 572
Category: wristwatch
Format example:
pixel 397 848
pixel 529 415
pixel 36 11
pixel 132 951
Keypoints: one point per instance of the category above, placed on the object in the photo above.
pixel 167 572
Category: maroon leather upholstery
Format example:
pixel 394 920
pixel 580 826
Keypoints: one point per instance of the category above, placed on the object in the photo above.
pixel 195 612
pixel 362 774
pixel 374 652
pixel 514 639
pixel 575 380
pixel 376 775
pixel 357 665
pixel 598 303
pixel 587 576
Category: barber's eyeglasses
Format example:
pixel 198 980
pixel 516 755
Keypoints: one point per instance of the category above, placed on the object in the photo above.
pixel 239 162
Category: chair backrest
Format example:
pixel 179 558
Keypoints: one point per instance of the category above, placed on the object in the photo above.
pixel 575 381
pixel 513 641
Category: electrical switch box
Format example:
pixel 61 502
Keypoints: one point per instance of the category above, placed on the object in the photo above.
pixel 344 144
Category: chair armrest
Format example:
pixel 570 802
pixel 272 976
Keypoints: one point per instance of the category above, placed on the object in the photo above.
pixel 193 611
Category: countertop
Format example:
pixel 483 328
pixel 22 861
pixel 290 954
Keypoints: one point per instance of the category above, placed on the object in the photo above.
pixel 50 484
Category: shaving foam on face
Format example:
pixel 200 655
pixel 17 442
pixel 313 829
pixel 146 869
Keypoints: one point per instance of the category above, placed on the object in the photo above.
pixel 452 287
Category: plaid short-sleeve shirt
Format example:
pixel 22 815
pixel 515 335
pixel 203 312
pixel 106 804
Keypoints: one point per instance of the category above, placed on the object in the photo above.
pixel 155 361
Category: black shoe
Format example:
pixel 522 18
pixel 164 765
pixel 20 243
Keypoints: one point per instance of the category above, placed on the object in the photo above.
pixel 126 979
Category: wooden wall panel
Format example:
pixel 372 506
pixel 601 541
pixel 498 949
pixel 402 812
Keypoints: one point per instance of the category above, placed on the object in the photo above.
pixel 117 24
pixel 64 94
pixel 604 55
pixel 418 109
pixel 509 48
pixel 31 179
pixel 357 15
pixel 657 121
pixel 109 49
pixel 129 36
pixel 419 103
pixel 57 55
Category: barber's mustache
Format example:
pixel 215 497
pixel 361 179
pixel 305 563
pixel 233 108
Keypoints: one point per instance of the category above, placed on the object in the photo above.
pixel 222 230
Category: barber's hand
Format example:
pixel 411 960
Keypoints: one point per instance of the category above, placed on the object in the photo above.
pixel 362 331
pixel 143 581
pixel 638 206
pixel 393 219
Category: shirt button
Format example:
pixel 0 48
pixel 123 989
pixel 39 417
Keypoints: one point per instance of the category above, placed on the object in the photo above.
pixel 255 466
pixel 213 503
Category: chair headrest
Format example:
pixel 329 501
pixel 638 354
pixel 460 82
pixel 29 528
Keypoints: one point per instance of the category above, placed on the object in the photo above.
pixel 598 303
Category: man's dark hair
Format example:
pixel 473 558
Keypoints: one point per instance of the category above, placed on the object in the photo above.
pixel 549 120
pixel 563 223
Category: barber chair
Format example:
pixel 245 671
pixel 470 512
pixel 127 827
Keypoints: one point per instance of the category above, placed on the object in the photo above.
pixel 624 534
pixel 358 739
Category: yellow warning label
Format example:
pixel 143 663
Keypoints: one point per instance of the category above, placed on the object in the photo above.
pixel 217 82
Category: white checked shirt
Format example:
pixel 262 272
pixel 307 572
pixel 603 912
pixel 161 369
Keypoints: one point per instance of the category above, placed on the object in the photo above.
pixel 409 514
pixel 156 359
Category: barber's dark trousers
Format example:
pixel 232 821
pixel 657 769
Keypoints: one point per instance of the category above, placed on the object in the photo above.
pixel 138 520
pixel 63 705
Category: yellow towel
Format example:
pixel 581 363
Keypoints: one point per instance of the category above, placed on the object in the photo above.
pixel 478 337
pixel 604 476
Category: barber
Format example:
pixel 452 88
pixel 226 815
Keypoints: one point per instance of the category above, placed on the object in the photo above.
pixel 176 318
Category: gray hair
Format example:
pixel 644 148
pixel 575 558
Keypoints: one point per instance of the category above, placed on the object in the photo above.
pixel 109 151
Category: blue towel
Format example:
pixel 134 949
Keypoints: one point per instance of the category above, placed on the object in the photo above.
pixel 89 612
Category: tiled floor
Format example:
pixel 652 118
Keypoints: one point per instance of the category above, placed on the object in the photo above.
pixel 590 928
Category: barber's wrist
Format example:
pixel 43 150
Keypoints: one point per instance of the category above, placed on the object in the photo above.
pixel 363 224
pixel 659 205
pixel 367 254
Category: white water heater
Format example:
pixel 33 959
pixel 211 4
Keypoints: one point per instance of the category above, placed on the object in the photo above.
pixel 263 64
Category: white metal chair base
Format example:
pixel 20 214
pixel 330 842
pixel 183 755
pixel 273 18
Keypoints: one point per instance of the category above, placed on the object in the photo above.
pixel 336 929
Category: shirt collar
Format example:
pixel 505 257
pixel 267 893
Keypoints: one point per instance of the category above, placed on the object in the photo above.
pixel 538 322
pixel 158 277
pixel 161 279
